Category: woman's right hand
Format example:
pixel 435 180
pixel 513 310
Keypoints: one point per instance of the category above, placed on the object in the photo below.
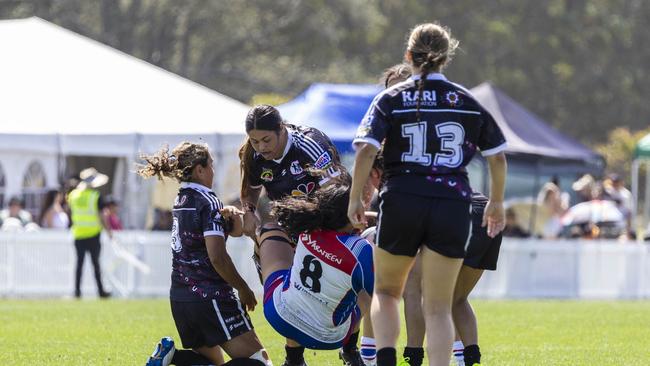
pixel 247 298
pixel 357 214
pixel 251 222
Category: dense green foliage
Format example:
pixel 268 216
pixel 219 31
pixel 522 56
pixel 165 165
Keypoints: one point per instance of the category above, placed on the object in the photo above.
pixel 580 64
pixel 512 333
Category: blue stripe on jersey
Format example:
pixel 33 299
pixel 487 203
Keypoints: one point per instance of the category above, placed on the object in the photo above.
pixel 344 308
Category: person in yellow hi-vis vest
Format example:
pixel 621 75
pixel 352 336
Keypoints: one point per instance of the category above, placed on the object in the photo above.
pixel 87 224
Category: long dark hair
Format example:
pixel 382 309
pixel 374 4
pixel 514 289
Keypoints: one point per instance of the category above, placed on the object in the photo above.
pixel 178 165
pixel 48 201
pixel 431 47
pixel 326 209
pixel 261 117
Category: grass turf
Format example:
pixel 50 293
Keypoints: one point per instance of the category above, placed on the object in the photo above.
pixel 119 332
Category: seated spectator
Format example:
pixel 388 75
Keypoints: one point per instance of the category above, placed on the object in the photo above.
pixel 111 213
pixel 584 188
pixel 53 216
pixel 15 210
pixel 550 202
pixel 163 220
pixel 614 189
pixel 512 228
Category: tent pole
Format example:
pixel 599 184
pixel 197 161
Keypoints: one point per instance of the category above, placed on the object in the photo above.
pixel 635 192
pixel 646 203
pixel 533 207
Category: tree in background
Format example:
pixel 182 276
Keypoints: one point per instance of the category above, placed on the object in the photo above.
pixel 580 64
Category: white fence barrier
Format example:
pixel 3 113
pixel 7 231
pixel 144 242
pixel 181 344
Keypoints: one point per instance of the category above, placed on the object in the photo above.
pixel 42 263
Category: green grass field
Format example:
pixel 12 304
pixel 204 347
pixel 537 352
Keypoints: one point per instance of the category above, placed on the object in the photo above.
pixel 115 332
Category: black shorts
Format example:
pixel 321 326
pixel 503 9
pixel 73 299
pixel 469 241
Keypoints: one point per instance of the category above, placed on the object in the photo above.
pixel 209 323
pixel 407 221
pixel 482 251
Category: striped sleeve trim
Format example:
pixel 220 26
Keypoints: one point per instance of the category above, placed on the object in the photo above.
pixel 309 146
pixel 367 140
pixel 494 150
pixel 214 233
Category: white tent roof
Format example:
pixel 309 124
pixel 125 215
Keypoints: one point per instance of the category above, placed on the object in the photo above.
pixel 75 95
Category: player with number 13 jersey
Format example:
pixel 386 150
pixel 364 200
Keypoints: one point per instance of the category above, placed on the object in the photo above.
pixel 427 148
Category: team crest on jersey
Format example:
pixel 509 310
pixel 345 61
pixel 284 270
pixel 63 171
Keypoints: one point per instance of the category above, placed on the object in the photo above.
pixel 267 175
pixel 410 98
pixel 295 168
pixel 180 200
pixel 324 161
pixel 303 189
pixel 453 99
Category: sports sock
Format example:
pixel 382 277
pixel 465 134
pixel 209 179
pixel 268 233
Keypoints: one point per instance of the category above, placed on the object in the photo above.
pixel 415 355
pixel 186 357
pixel 387 356
pixel 295 354
pixel 458 350
pixel 351 343
pixel 472 355
pixel 368 349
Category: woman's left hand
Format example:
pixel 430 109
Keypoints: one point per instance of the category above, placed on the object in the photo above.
pixel 494 218
pixel 230 211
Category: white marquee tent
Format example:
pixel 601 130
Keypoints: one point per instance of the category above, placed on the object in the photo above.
pixel 66 95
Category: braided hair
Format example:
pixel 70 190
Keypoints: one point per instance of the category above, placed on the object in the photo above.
pixel 430 47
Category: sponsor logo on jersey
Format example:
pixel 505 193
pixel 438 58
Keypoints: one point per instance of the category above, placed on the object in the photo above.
pixel 453 99
pixel 303 189
pixel 410 98
pixel 324 161
pixel 267 175
pixel 309 242
pixel 295 168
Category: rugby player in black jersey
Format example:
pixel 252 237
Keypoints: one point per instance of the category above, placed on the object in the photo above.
pixel 284 160
pixel 209 316
pixel 432 128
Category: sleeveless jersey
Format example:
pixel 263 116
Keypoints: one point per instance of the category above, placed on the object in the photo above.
pixel 329 270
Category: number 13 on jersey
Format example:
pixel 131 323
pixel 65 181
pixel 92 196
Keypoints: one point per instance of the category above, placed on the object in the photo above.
pixel 451 135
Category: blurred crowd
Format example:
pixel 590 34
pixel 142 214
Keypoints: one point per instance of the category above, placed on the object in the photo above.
pixel 595 209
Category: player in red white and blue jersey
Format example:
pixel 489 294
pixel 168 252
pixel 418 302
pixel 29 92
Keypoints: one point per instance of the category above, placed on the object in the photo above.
pixel 315 297
pixel 284 161
pixel 432 128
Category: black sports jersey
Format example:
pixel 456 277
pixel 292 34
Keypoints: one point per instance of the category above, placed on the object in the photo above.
pixel 306 147
pixel 195 216
pixel 428 156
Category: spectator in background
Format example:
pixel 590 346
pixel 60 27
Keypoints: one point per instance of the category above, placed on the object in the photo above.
pixel 111 213
pixel 15 211
pixel 53 216
pixel 552 206
pixel 584 188
pixel 163 220
pixel 513 229
pixel 614 189
pixel 87 223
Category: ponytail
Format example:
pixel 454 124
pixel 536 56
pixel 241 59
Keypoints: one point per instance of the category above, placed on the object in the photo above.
pixel 177 165
pixel 246 154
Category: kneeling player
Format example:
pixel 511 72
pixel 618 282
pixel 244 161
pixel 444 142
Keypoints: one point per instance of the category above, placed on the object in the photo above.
pixel 209 316
pixel 315 297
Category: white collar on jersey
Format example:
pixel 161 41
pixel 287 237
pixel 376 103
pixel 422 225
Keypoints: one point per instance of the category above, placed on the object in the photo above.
pixel 196 186
pixel 431 76
pixel 287 147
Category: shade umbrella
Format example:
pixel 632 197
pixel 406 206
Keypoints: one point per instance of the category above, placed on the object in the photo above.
pixel 595 211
